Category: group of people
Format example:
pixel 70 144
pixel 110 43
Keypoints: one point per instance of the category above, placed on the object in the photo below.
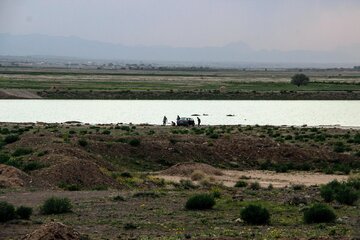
pixel 178 118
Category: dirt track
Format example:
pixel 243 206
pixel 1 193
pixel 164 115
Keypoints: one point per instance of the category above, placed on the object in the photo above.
pixel 278 180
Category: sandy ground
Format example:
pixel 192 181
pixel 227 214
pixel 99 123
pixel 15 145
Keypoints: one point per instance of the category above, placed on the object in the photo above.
pixel 16 93
pixel 278 180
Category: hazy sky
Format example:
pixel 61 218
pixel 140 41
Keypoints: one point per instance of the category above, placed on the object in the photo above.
pixel 263 24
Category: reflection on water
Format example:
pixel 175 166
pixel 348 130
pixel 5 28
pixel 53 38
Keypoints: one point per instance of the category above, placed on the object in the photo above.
pixel 344 113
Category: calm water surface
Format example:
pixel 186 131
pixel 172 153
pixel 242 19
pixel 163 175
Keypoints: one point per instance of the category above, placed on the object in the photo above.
pixel 312 113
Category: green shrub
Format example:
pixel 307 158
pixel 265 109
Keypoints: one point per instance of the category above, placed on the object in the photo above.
pixel 216 193
pixel 346 195
pixel 72 132
pixel 354 182
pixel 118 198
pixel 134 142
pixel 42 153
pixel 4 158
pixel 100 188
pixel 281 168
pixel 125 128
pixel 340 147
pixel 255 215
pixel 241 184
pixel 18 163
pixel 214 136
pixel 130 226
pixel 4 131
pixel 255 186
pixel 55 205
pixel 200 202
pixel 24 212
pixel 70 187
pixel 11 138
pixel 22 151
pixel 298 187
pixel 7 211
pixel 31 166
pixel 357 138
pixel 126 175
pixel 82 142
pixel 319 213
pixel 106 132
pixel 327 193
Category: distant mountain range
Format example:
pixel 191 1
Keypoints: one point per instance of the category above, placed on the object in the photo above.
pixel 38 44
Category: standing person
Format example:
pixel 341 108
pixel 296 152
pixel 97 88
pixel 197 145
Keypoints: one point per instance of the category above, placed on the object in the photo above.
pixel 178 117
pixel 164 120
pixel 199 121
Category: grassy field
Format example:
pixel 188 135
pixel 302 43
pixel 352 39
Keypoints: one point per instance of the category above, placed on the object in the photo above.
pixel 221 84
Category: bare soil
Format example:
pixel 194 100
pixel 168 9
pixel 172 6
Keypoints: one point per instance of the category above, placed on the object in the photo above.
pixel 230 177
pixel 18 94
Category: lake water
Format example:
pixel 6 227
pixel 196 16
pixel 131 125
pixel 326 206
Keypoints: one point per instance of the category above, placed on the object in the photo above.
pixel 312 113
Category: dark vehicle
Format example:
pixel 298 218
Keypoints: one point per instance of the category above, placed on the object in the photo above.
pixel 185 122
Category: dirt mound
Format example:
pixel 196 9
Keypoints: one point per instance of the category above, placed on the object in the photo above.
pixel 74 171
pixel 53 230
pixel 186 169
pixel 11 177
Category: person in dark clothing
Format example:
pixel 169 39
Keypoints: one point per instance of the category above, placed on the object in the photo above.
pixel 199 121
pixel 178 117
pixel 164 120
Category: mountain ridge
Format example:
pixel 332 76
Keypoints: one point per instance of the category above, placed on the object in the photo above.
pixel 73 46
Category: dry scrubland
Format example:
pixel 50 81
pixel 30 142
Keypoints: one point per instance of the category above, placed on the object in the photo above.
pixel 177 84
pixel 113 178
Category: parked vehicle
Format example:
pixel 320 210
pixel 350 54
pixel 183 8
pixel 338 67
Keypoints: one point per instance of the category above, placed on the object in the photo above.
pixel 185 122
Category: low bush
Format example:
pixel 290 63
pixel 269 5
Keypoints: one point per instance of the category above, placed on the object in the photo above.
pixel 241 184
pixel 55 205
pixel 346 195
pixel 118 198
pixel 319 213
pixel 42 153
pixel 31 166
pixel 106 132
pixel 298 187
pixel 125 128
pixel 200 202
pixel 4 131
pixel 82 142
pixel 24 212
pixel 99 188
pixel 134 142
pixel 11 138
pixel 216 192
pixel 327 193
pixel 22 151
pixel 70 187
pixel 255 215
pixel 7 212
pixel 255 186
pixel 340 147
pixel 4 157
pixel 126 175
pixel 214 135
